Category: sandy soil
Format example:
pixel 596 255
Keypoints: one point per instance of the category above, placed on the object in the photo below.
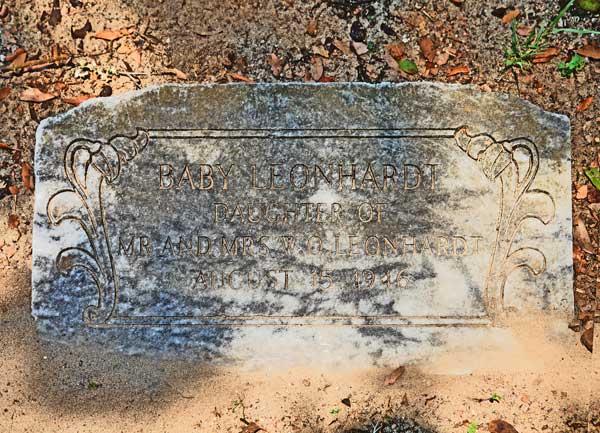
pixel 548 382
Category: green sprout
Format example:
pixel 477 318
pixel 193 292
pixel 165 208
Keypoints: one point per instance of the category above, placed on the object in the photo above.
pixel 473 427
pixel 92 384
pixel 495 398
pixel 576 63
pixel 335 411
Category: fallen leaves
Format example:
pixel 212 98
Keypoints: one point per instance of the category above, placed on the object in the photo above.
pixel 582 192
pixel 18 60
pixel 545 56
pixel 510 15
pixel 312 28
pixel 360 48
pixel 112 35
pixel 179 74
pixel 316 68
pixel 321 51
pixel 587 339
pixel 240 77
pixel 76 100
pixel 396 50
pixel 33 94
pixel 13 221
pixel 593 175
pixel 582 237
pixel 344 47
pixel 4 11
pixel 585 104
pixel 4 92
pixel 459 70
pixel 276 64
pixel 501 426
pixel 442 58
pixel 15 54
pixel 27 176
pixel 408 66
pixel 591 51
pixel 427 48
pixel 394 375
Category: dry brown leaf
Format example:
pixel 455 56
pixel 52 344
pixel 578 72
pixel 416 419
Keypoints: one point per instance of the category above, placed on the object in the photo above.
pixel 316 68
pixel 510 15
pixel 239 77
pixel 360 48
pixel 394 376
pixel 582 236
pixel 76 100
pixel 545 56
pixel 427 48
pixel 276 64
pixel 112 35
pixel 14 55
pixel 501 426
pixel 524 30
pixel 33 94
pixel 587 339
pixel 457 2
pixel 13 189
pixel 18 61
pixel 582 192
pixel 321 51
pixel 5 146
pixel 27 176
pixel 125 49
pixel 591 51
pixel 441 59
pixel 13 221
pixel 311 28
pixel 585 104
pixel 344 47
pixel 4 92
pixel 459 70
pixel 252 428
pixel 179 74
pixel 396 50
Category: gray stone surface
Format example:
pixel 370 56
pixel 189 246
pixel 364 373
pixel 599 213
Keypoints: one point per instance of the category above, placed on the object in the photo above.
pixel 326 223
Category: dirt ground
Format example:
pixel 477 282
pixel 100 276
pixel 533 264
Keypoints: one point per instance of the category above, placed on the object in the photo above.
pixel 550 382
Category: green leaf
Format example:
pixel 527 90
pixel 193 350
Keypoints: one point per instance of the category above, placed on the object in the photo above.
pixel 495 398
pixel 593 175
pixel 408 66
pixel 589 5
pixel 472 427
pixel 335 411
pixel 576 63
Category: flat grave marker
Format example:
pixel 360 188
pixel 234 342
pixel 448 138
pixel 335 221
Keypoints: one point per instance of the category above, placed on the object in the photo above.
pixel 365 222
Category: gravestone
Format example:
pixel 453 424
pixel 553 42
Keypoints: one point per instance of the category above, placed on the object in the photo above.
pixel 322 223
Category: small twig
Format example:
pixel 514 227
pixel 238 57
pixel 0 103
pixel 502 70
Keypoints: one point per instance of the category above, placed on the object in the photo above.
pixel 426 15
pixel 32 63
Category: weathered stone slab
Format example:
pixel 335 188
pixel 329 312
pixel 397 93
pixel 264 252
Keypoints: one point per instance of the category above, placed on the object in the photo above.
pixel 324 222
